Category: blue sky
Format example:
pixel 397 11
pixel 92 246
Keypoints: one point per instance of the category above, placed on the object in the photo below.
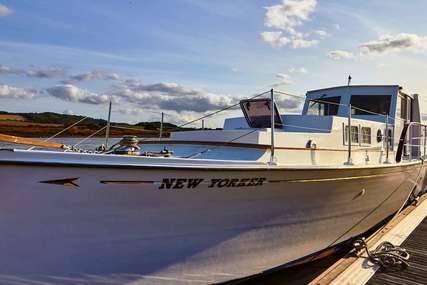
pixel 189 57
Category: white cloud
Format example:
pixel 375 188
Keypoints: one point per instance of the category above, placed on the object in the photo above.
pixel 112 76
pixel 322 34
pixel 4 11
pixel 394 43
pixel 275 39
pixel 38 73
pixel 131 111
pixel 46 73
pixel 300 70
pixel 289 14
pixel 337 27
pixel 340 54
pixel 72 93
pixel 297 41
pixel 7 91
pixel 382 65
pixel 171 116
pixel 287 103
pixel 302 43
pixel 7 70
pixel 286 17
pixel 170 96
pixel 95 75
pixel 68 112
pixel 287 78
pixel 284 79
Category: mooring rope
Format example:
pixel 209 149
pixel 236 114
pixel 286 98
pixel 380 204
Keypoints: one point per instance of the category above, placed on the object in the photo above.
pixel 386 255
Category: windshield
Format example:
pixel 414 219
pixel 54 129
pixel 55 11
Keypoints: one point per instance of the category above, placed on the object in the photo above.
pixel 324 106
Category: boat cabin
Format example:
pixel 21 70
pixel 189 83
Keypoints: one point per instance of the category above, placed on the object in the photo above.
pixel 377 118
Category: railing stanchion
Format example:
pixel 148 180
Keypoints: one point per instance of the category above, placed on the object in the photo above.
pixel 161 127
pixel 107 131
pixel 272 157
pixel 387 140
pixel 349 161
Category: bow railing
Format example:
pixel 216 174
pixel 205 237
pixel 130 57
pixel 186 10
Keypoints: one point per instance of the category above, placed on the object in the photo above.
pixel 414 142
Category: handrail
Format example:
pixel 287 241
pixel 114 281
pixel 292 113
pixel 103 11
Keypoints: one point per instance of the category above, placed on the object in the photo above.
pixel 414 141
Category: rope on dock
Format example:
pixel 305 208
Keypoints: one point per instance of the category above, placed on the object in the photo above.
pixel 386 255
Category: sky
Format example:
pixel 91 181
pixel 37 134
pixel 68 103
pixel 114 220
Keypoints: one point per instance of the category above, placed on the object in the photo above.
pixel 191 57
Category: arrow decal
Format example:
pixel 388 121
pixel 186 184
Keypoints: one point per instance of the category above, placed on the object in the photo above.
pixel 67 182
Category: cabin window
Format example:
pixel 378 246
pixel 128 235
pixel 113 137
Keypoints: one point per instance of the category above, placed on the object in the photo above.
pixel 366 135
pixel 324 106
pixel 354 134
pixel 370 104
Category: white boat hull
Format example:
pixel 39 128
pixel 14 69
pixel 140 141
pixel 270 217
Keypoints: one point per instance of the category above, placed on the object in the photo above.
pixel 130 224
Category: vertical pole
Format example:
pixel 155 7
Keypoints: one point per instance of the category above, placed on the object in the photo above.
pixel 161 127
pixel 349 161
pixel 272 157
pixel 107 131
pixel 410 140
pixel 387 140
pixel 203 124
pixel 425 141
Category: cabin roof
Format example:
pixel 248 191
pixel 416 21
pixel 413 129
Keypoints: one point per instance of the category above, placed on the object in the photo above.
pixel 353 86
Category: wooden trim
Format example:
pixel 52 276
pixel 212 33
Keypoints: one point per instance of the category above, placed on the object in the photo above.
pixel 245 145
pixel 28 141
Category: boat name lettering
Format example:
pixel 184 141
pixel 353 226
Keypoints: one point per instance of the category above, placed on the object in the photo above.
pixel 191 183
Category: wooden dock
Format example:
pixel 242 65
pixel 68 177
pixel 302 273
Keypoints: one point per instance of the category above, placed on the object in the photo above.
pixel 408 230
pixel 416 273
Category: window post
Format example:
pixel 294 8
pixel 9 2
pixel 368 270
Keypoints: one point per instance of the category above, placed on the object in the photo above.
pixel 349 161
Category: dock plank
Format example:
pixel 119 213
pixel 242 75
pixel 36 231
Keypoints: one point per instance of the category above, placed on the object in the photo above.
pixel 416 273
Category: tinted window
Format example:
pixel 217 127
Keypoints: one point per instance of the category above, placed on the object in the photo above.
pixel 370 104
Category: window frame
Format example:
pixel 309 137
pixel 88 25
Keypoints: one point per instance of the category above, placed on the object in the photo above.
pixel 363 136
pixel 356 109
pixel 345 134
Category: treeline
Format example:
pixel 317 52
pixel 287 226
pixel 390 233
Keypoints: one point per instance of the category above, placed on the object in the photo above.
pixel 67 120
pixel 55 118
